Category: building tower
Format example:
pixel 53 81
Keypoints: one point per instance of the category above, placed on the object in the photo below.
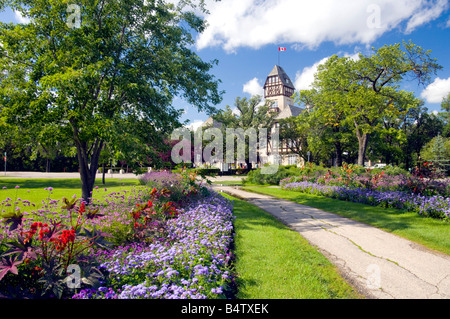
pixel 279 89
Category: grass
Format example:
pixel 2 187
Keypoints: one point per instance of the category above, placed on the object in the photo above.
pixel 228 183
pixel 274 262
pixel 34 189
pixel 429 232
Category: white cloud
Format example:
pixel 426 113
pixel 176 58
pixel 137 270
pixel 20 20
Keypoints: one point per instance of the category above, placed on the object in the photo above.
pixel 195 125
pixel 436 91
pixel 255 23
pixel 304 78
pixel 428 13
pixel 253 88
pixel 20 18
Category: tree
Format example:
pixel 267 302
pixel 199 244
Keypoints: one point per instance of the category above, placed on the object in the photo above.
pixel 445 106
pixel 367 89
pixel 294 133
pixel 109 79
pixel 329 134
pixel 419 127
pixel 248 114
pixel 438 152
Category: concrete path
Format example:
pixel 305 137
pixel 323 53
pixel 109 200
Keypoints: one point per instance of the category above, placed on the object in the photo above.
pixel 379 264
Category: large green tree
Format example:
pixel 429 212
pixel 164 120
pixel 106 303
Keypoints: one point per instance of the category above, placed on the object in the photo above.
pixel 445 106
pixel 103 71
pixel 247 114
pixel 367 89
pixel 329 134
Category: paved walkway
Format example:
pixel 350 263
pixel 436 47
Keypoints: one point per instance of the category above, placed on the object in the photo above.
pixel 379 264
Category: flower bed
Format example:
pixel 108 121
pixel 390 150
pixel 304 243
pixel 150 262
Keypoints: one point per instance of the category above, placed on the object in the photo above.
pixel 144 243
pixel 424 191
pixel 436 206
pixel 192 261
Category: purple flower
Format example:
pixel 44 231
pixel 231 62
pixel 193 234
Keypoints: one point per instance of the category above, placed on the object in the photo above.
pixel 192 261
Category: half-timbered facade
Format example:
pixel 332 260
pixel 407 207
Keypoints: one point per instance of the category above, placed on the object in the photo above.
pixel 279 90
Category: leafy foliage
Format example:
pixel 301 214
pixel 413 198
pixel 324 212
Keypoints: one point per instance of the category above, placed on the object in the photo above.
pixel 362 93
pixel 109 81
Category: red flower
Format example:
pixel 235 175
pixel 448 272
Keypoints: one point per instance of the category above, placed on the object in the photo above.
pixel 42 233
pixel 64 239
pixel 82 208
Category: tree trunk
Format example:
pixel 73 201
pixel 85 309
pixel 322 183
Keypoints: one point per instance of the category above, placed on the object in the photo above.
pixel 338 147
pixel 88 167
pixel 249 165
pixel 363 138
pixel 103 173
pixel 362 147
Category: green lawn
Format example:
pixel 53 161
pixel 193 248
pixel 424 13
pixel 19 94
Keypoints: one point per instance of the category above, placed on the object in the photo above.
pixel 34 191
pixel 274 262
pixel 432 233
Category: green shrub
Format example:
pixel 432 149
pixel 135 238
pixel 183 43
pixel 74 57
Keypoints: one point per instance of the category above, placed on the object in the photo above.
pixel 256 177
pixel 390 170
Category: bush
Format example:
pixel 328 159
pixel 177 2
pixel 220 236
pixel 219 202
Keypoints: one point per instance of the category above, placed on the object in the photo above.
pixel 256 177
pixel 390 170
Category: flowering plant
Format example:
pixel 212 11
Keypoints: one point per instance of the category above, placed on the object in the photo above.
pixel 49 248
pixel 149 217
pixel 193 259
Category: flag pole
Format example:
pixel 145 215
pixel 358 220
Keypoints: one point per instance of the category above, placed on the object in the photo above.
pixel 280 49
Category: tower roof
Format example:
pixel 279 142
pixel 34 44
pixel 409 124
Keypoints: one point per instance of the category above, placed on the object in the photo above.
pixel 278 71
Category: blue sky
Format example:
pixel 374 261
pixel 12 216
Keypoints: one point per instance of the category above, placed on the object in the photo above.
pixel 244 36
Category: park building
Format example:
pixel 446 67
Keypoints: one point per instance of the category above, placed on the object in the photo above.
pixel 278 89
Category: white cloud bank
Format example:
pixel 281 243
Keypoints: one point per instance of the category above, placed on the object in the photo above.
pixel 253 87
pixel 304 78
pixel 436 91
pixel 255 23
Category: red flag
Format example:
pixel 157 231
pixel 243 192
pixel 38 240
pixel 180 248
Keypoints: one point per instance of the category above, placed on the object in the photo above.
pixel 281 49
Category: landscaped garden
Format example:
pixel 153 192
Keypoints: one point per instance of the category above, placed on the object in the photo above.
pixel 168 235
pixel 163 236
pixel 423 191
pixel 169 238
pixel 413 205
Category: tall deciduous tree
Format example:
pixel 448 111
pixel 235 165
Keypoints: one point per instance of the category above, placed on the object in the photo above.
pixel 445 106
pixel 329 133
pixel 248 114
pixel 367 89
pixel 104 72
